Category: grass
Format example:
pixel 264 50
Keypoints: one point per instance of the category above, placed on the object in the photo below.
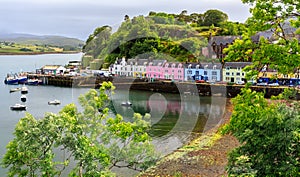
pixel 13 48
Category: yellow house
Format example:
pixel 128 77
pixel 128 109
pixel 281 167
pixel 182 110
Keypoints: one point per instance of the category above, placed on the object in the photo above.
pixel 233 71
pixel 268 73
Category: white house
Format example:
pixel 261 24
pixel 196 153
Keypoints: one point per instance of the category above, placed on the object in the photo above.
pixel 53 69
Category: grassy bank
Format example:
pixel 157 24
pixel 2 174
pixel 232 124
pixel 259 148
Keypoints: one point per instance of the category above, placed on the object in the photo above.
pixel 7 48
pixel 204 156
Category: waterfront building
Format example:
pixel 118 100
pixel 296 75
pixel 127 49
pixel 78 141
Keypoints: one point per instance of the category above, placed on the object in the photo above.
pixel 173 71
pixel 210 72
pixel 193 72
pixel 130 68
pixel 138 67
pixel 53 70
pixel 154 69
pixel 233 71
pixel 120 68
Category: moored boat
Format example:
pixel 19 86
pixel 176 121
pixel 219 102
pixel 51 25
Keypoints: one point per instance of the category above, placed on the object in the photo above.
pixel 18 107
pixel 11 80
pixel 24 90
pixel 23 98
pixel 34 81
pixel 54 102
pixel 14 90
pixel 22 79
pixel 127 103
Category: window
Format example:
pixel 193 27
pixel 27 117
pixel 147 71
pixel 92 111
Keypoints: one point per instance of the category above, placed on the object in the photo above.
pixel 197 72
pixel 205 72
pixel 232 73
pixel 227 74
pixel 243 74
pixel 214 73
pixel 189 71
pixel 238 74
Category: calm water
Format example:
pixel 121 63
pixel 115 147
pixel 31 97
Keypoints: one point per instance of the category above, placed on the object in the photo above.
pixel 174 117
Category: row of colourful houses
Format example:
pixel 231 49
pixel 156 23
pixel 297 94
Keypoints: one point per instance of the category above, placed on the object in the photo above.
pixel 162 69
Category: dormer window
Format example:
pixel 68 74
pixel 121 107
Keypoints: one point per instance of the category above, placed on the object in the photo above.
pixel 190 66
pixel 215 67
pixel 173 65
pixel 197 66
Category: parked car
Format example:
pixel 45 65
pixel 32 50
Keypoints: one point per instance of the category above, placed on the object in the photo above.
pixel 273 84
pixel 262 84
pixel 240 82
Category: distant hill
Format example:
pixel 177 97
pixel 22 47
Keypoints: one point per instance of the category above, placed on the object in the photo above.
pixel 58 41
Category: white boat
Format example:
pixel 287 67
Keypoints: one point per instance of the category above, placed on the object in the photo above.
pixel 23 98
pixel 54 102
pixel 18 107
pixel 14 90
pixel 24 90
pixel 127 103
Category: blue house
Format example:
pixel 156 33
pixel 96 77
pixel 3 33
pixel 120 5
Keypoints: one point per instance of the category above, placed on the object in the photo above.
pixel 210 72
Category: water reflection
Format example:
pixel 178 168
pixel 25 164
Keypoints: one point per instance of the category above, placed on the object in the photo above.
pixel 174 117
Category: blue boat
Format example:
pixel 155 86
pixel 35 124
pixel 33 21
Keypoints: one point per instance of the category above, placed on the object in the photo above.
pixel 22 79
pixel 33 82
pixel 11 80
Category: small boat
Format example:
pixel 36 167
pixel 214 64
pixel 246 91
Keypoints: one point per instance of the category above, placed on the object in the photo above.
pixel 127 103
pixel 18 107
pixel 24 90
pixel 22 79
pixel 54 102
pixel 32 81
pixel 14 90
pixel 11 80
pixel 23 98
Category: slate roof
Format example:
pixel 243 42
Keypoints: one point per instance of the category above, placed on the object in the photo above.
pixel 236 64
pixel 222 40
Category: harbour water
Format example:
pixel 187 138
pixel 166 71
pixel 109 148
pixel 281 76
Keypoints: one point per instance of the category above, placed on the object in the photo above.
pixel 174 117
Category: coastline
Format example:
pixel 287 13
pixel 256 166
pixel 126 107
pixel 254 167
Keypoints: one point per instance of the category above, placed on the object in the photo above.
pixel 38 53
pixel 206 155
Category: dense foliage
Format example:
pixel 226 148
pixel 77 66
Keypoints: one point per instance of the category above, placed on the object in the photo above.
pixel 278 47
pixel 87 143
pixel 175 37
pixel 269 132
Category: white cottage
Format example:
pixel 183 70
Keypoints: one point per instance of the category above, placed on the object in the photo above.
pixel 53 69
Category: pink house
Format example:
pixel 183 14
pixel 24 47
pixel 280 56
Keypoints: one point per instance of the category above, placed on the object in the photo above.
pixel 173 71
pixel 160 69
pixel 154 69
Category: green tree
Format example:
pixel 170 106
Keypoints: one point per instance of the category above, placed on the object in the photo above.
pixel 269 134
pixel 268 131
pixel 90 139
pixel 214 17
pixel 279 52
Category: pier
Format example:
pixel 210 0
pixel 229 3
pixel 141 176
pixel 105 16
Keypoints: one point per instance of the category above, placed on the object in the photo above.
pixel 202 89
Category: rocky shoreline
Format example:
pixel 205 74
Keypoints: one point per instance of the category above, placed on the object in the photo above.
pixel 204 156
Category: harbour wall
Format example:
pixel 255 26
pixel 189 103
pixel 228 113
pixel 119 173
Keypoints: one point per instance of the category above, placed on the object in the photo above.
pixel 203 89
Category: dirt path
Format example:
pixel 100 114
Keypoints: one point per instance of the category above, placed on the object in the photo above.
pixel 205 156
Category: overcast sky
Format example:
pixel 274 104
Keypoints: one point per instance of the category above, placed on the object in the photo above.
pixel 79 18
